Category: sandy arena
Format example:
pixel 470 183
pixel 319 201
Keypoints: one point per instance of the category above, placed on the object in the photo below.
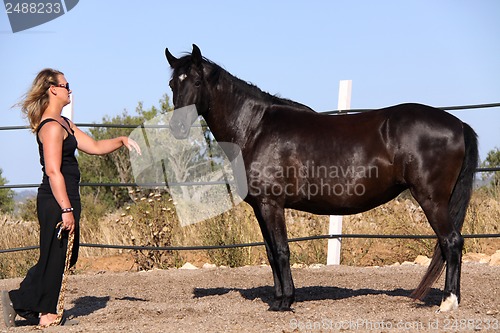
pixel 328 299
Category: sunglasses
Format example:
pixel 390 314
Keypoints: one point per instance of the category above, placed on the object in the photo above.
pixel 66 86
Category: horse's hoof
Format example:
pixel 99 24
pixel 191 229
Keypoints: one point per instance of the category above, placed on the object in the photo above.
pixel 449 304
pixel 275 306
pixel 281 306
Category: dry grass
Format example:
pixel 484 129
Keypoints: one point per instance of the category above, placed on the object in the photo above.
pixel 17 234
pixel 151 221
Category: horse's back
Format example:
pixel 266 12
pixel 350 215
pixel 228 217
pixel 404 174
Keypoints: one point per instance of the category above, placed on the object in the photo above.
pixel 392 127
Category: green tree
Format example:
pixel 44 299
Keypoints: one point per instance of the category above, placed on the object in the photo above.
pixel 114 167
pixel 493 160
pixel 6 196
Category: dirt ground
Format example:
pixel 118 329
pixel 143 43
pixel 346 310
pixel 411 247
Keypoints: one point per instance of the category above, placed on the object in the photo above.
pixel 329 298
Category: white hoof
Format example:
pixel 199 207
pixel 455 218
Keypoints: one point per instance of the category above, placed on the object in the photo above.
pixel 449 304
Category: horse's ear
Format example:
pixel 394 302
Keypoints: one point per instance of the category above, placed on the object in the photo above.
pixel 196 57
pixel 170 58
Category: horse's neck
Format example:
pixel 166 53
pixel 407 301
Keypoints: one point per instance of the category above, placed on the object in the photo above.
pixel 235 120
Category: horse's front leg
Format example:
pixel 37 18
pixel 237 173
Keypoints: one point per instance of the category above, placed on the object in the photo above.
pixel 272 223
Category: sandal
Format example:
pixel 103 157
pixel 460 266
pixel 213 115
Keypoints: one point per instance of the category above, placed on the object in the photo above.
pixel 63 322
pixel 9 314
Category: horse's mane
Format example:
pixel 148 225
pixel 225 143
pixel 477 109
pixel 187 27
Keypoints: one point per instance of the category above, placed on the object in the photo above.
pixel 217 74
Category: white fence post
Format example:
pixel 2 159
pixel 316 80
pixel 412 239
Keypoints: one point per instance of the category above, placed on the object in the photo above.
pixel 335 227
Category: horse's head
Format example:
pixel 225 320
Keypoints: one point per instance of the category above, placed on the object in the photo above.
pixel 188 83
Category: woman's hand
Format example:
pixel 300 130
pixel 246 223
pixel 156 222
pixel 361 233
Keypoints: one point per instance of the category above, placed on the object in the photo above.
pixel 68 220
pixel 131 144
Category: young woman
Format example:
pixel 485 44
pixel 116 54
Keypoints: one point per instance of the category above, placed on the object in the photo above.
pixel 58 196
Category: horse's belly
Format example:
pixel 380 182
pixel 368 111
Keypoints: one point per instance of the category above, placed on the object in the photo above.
pixel 342 200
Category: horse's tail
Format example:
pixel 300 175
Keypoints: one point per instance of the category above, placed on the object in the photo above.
pixel 457 207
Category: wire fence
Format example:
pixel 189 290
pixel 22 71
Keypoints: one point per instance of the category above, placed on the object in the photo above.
pixel 330 112
pixel 233 246
pixel 229 246
pixel 170 184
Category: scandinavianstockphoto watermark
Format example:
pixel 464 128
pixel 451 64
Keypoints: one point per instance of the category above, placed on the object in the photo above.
pixel 26 14
pixel 361 324
pixel 309 179
pixel 201 179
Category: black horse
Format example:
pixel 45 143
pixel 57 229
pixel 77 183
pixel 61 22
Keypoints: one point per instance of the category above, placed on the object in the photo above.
pixel 346 164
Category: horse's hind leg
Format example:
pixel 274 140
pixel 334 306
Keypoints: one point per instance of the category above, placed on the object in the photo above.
pixel 452 246
pixel 450 243
pixel 272 223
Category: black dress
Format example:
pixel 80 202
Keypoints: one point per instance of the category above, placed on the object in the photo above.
pixel 39 291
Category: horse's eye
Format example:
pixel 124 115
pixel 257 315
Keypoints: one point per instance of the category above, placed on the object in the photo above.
pixel 197 83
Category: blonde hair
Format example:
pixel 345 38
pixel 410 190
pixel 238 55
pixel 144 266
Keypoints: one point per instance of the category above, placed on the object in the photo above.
pixel 37 98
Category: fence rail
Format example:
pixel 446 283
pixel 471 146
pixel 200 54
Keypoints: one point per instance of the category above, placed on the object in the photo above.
pixel 331 112
pixel 212 247
pixel 232 246
pixel 18 186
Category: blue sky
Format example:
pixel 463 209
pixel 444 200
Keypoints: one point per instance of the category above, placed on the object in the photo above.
pixel 439 53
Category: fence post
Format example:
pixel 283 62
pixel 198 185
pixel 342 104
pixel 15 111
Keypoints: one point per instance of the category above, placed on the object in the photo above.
pixel 335 227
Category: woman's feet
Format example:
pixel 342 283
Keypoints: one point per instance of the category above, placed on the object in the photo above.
pixel 48 319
